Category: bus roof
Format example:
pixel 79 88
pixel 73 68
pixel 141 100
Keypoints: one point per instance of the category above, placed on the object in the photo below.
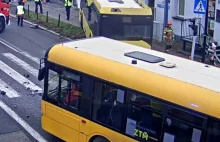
pixel 122 7
pixel 190 84
pixel 119 3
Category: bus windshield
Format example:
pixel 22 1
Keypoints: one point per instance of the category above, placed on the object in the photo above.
pixel 126 28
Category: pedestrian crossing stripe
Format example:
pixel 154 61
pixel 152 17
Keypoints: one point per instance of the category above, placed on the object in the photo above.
pixel 200 7
pixel 9 91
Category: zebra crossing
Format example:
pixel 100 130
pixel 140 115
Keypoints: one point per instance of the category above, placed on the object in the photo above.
pixel 16 76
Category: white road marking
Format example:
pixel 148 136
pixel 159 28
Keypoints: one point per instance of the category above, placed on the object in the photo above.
pixel 24 124
pixel 21 63
pixel 10 92
pixel 18 77
pixel 4 42
pixel 16 49
pixel 35 59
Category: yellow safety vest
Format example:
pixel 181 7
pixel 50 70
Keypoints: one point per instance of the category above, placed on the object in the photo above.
pixel 20 10
pixel 68 3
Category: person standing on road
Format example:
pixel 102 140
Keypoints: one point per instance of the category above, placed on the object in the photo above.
pixel 68 4
pixel 38 2
pixel 168 36
pixel 20 13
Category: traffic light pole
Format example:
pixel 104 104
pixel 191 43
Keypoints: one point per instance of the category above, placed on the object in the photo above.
pixel 193 47
pixel 205 31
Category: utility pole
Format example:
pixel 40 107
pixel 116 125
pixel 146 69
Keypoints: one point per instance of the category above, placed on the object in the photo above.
pixel 166 12
pixel 194 27
pixel 205 31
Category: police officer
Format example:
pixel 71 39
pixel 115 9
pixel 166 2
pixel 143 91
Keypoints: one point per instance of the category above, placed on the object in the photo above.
pixel 68 4
pixel 168 36
pixel 20 13
pixel 38 2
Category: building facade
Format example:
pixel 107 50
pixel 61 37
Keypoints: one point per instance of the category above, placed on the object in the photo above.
pixel 181 10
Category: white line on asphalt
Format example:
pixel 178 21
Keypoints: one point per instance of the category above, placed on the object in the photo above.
pixel 35 59
pixel 10 92
pixel 21 63
pixel 9 45
pixel 16 49
pixel 24 124
pixel 18 77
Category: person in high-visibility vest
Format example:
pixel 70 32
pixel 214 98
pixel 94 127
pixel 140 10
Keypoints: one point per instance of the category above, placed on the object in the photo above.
pixel 168 36
pixel 38 2
pixel 20 13
pixel 68 4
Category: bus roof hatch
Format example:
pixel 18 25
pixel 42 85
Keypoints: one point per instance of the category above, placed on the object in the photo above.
pixel 144 57
pixel 118 1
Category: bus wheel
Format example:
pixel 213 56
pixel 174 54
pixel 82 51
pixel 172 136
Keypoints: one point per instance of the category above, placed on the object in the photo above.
pixel 2 24
pixel 100 139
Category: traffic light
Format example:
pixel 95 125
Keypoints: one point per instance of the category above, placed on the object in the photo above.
pixel 193 26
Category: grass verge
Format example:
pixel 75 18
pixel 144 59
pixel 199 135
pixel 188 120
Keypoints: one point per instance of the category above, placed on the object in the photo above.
pixel 64 29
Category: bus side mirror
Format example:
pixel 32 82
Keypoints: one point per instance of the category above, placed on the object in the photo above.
pixel 41 73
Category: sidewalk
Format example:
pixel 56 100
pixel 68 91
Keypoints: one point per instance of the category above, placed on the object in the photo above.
pixel 54 10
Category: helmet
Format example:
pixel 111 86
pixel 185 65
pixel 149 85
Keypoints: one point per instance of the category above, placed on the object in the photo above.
pixel 169 23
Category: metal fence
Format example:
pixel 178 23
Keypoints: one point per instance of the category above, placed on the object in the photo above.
pixel 157 31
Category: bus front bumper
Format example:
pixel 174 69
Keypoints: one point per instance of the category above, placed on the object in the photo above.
pixel 140 43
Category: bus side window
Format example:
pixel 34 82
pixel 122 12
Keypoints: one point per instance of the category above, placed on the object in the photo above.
pixel 182 126
pixel 70 92
pixel 108 105
pixel 213 131
pixel 53 86
pixel 144 122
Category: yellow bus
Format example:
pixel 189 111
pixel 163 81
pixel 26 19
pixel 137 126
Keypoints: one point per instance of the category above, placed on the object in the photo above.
pixel 130 21
pixel 103 90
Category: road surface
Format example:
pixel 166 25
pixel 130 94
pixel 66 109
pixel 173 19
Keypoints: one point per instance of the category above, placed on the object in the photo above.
pixel 20 109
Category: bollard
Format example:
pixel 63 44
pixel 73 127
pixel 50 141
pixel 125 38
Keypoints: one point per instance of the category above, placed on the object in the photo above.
pixel 58 21
pixel 28 11
pixel 47 17
pixel 37 15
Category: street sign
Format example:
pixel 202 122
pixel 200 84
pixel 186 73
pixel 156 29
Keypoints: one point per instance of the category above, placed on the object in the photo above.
pixel 200 6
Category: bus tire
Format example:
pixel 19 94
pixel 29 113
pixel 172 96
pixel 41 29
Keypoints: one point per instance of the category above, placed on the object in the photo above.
pixel 2 24
pixel 99 139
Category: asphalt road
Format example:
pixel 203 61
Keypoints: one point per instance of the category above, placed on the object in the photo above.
pixel 20 51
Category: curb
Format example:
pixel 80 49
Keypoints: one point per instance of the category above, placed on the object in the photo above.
pixel 42 28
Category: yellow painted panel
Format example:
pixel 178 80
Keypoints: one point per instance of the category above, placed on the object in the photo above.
pixel 82 137
pixel 57 129
pixel 43 110
pixel 62 117
pixel 85 127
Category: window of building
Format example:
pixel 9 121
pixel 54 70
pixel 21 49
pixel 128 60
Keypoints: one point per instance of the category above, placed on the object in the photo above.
pixel 213 131
pixel 108 105
pixel 181 7
pixel 144 119
pixel 181 126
